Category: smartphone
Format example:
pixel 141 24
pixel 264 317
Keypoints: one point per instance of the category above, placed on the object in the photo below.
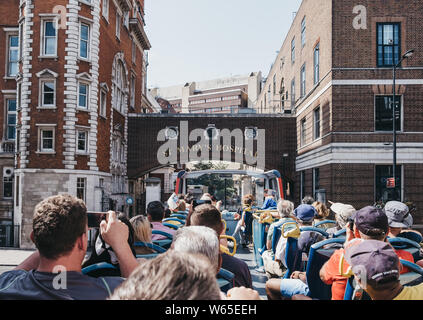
pixel 95 218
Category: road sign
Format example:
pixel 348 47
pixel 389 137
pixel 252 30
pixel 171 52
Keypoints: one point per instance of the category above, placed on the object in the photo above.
pixel 129 200
pixel 390 183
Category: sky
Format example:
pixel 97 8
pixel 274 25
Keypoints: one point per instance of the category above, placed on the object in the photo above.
pixel 197 40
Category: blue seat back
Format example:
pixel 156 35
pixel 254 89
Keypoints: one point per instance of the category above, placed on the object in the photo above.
pixel 259 241
pixel 292 258
pixel 314 229
pixel 407 245
pixel 153 246
pixel 319 254
pixel 162 233
pixel 182 217
pixel 277 232
pixel 225 280
pixel 322 223
pixel 171 226
pixel 340 233
pixel 101 269
pixel 148 256
pixel 181 221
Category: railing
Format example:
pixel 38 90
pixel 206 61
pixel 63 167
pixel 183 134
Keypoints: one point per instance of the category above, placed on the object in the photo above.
pixel 8 147
pixel 9 236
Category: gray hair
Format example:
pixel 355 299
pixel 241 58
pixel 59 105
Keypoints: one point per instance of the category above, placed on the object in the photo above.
pixel 285 208
pixel 198 240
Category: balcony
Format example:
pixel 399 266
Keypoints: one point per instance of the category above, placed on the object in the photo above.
pixel 137 26
pixel 8 147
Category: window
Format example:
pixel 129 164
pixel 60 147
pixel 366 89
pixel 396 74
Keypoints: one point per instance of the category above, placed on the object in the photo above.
pixel 11 119
pixel 303 81
pixel 317 123
pixel 103 102
pixel 126 19
pixel 293 93
pixel 46 140
pixel 105 10
pixel 303 32
pixel 303 132
pixel 133 82
pixel 383 192
pixel 134 52
pixel 383 113
pixel 82 141
pixel 274 84
pixel 13 56
pixel 388 44
pixel 17 191
pixel 48 93
pixel 49 39
pixel 81 185
pixel 83 95
pixel 316 60
pixel 119 84
pixel 7 187
pixel 302 185
pixel 84 41
pixel 293 50
pixel 316 181
pixel 118 23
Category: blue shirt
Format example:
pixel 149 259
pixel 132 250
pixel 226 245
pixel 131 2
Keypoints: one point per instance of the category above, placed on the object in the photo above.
pixel 269 203
pixel 34 285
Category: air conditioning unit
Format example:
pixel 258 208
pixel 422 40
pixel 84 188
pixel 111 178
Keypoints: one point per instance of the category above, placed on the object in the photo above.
pixel 7 172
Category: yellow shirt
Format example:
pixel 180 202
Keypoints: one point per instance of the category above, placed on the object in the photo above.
pixel 411 293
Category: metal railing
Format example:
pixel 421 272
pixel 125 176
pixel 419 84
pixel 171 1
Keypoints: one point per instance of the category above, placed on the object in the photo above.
pixel 8 147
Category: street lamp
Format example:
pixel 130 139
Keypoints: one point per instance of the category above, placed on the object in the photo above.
pixel 407 55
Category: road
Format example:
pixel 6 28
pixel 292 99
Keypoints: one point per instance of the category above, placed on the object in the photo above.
pixel 9 258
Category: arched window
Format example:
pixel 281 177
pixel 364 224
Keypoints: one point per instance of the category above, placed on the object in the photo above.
pixel 119 84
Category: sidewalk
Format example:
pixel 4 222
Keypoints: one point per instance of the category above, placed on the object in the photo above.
pixel 13 257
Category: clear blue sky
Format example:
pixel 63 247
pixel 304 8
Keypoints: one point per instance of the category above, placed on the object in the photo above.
pixel 194 40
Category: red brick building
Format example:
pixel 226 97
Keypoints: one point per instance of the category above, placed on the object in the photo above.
pixel 9 40
pixel 82 71
pixel 334 73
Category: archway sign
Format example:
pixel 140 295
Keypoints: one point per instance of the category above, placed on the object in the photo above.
pixel 263 141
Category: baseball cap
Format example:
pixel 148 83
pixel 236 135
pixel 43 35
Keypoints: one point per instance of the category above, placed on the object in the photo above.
pixel 398 214
pixel 305 212
pixel 342 211
pixel 371 221
pixel 375 260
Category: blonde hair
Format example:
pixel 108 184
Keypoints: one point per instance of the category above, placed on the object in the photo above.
pixel 322 211
pixel 142 228
pixel 182 206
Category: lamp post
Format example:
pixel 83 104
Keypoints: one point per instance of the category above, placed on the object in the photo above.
pixel 408 54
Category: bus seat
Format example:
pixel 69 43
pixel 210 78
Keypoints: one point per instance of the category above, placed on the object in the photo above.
pixel 340 234
pixel 179 216
pixel 408 245
pixel 153 246
pixel 147 256
pixel 410 278
pixel 320 253
pixel 172 220
pixel 324 224
pixel 164 243
pixel 411 236
pixel 171 225
pixel 314 229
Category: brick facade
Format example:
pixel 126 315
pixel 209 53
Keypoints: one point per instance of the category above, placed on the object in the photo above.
pixel 101 172
pixel 349 146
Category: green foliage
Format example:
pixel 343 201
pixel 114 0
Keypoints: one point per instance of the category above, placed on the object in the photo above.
pixel 215 183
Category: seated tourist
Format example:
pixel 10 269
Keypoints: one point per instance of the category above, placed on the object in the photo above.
pixel 322 214
pixel 381 267
pixel 307 200
pixel 401 221
pixel 142 231
pixel 177 276
pixel 155 214
pixel 370 223
pixel 54 271
pixel 269 200
pixel 342 213
pixel 207 215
